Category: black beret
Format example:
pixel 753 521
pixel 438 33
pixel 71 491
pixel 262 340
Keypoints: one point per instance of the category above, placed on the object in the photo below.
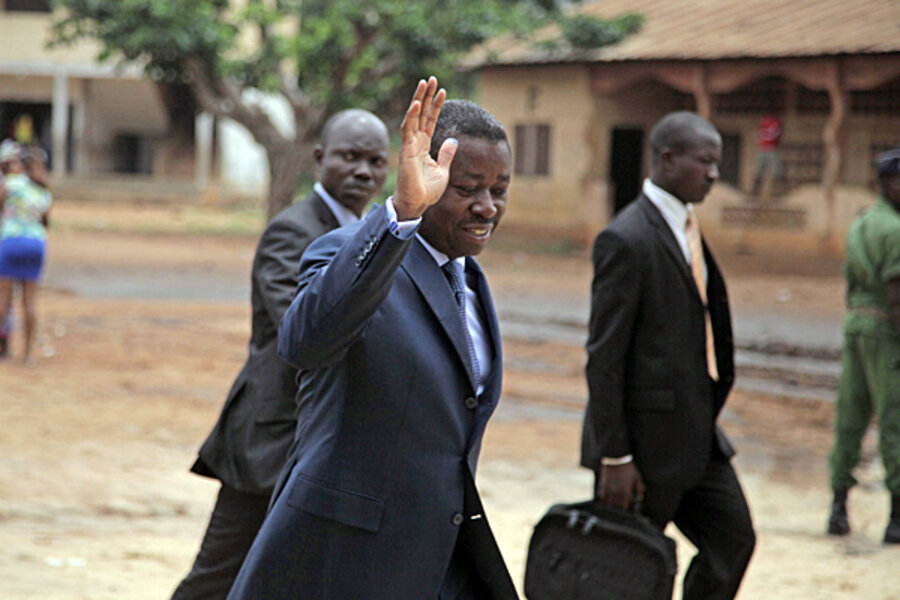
pixel 888 163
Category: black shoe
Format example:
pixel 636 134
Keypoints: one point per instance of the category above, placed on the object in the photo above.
pixel 892 532
pixel 838 523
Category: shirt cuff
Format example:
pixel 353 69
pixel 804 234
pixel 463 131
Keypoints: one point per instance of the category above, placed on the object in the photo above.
pixel 401 229
pixel 608 461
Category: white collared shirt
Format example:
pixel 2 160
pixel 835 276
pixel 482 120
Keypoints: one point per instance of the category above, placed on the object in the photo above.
pixel 675 213
pixel 474 318
pixel 344 215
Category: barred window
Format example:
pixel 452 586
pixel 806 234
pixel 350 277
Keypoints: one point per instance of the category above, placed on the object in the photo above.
pixel 533 149
pixel 761 97
pixel 803 163
pixel 884 100
pixel 812 101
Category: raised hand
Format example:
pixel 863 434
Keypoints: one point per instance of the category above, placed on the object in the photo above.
pixel 421 180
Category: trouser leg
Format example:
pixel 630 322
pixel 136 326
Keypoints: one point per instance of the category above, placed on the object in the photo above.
pixel 853 412
pixel 234 523
pixel 715 517
pixel 884 358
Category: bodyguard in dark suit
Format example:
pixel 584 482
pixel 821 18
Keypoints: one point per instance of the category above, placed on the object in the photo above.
pixel 660 363
pixel 395 334
pixel 249 445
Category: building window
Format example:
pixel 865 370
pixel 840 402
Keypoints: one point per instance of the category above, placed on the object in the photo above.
pixel 533 149
pixel 730 166
pixel 762 97
pixel 812 101
pixel 27 5
pixel 884 100
pixel 802 163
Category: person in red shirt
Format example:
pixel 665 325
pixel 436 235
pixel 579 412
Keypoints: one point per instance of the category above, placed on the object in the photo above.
pixel 768 161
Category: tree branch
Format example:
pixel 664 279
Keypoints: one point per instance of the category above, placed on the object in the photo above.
pixel 224 99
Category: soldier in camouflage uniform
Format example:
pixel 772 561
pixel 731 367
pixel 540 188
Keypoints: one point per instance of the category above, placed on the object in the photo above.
pixel 870 376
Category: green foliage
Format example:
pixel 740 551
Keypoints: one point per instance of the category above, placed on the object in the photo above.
pixel 321 55
pixel 583 32
pixel 339 53
pixel 157 31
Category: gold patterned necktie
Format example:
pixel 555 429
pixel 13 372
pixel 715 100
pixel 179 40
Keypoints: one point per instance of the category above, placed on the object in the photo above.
pixel 695 247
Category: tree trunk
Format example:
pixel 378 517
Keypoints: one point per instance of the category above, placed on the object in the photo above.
pixel 286 163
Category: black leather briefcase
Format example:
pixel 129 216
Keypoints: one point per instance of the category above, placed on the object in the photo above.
pixel 592 551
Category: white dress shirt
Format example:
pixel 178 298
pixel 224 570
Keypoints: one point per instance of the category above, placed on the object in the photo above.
pixel 675 213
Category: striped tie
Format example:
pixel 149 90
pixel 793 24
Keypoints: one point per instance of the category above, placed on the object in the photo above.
pixel 454 273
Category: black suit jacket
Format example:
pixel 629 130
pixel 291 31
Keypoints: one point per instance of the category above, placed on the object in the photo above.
pixel 249 444
pixel 649 391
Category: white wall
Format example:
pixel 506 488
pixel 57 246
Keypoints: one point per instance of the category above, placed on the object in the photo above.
pixel 243 165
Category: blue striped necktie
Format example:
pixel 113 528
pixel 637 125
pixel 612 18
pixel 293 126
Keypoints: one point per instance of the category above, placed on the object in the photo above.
pixel 454 272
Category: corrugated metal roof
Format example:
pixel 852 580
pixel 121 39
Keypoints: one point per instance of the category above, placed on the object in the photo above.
pixel 720 29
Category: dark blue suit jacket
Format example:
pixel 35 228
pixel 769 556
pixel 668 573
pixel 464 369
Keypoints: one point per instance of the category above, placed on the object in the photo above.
pixel 381 476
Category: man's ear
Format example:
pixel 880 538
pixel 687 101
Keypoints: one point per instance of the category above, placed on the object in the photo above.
pixel 666 156
pixel 318 154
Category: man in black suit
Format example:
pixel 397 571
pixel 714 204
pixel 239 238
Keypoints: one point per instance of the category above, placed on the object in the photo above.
pixel 397 340
pixel 249 445
pixel 661 363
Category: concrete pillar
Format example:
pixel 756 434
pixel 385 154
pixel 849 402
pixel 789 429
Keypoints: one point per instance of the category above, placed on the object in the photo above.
pixel 700 88
pixel 79 131
pixel 203 145
pixel 59 123
pixel 832 137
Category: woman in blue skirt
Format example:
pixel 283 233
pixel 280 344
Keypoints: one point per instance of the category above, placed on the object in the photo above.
pixel 23 236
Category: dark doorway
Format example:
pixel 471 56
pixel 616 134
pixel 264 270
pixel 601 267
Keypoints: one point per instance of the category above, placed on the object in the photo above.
pixel 27 122
pixel 39 130
pixel 626 165
pixel 38 113
pixel 730 167
pixel 133 154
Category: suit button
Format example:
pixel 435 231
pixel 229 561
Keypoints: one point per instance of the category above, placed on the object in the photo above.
pixel 457 519
pixel 471 403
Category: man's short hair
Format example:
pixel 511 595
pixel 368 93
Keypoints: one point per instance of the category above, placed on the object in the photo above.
pixel 678 131
pixel 461 117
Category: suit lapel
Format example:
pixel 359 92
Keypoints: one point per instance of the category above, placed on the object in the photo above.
pixel 431 282
pixel 668 241
pixel 322 212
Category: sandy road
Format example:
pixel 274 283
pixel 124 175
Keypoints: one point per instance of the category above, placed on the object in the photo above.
pixel 96 501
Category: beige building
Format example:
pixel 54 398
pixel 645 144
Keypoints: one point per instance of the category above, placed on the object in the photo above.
pixel 110 128
pixel 829 70
pixel 93 118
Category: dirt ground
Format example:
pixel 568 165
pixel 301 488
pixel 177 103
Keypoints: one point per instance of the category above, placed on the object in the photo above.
pixel 96 501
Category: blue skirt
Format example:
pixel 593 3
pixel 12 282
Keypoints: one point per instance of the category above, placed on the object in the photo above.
pixel 21 258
